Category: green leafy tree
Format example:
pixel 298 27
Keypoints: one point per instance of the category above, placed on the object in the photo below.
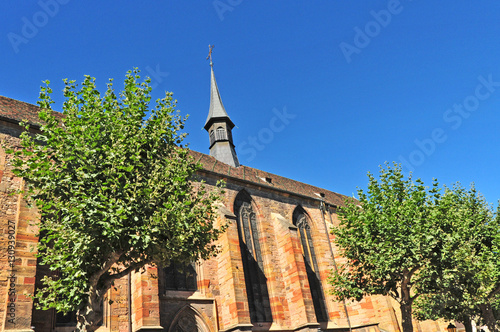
pixel 468 284
pixel 448 305
pixel 387 238
pixel 113 185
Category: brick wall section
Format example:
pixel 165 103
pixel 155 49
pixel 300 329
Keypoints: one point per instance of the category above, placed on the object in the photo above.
pixel 221 301
pixel 228 281
pixel 297 297
pixel 17 242
pixel 283 263
pixel 270 259
pixel 15 216
pixel 25 267
pixel 116 313
pixel 6 203
pixel 145 299
pixel 283 260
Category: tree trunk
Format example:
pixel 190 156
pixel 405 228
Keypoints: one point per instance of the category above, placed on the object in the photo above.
pixel 90 315
pixel 489 317
pixel 406 301
pixel 406 318
pixel 467 323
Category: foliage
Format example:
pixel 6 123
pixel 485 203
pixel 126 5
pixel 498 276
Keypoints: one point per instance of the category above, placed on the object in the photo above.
pixel 468 285
pixel 112 182
pixel 436 251
pixel 387 239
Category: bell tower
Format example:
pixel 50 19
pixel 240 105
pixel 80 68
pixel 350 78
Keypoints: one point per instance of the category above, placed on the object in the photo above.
pixel 219 125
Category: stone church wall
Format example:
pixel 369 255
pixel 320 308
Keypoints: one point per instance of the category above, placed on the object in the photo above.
pixel 220 302
pixel 17 241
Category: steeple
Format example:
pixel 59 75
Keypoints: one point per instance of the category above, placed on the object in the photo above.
pixel 219 125
pixel 217 110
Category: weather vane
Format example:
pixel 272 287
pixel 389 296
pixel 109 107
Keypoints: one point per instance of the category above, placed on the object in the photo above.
pixel 210 48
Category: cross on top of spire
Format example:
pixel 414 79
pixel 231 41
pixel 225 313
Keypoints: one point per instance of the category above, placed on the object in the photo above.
pixel 210 48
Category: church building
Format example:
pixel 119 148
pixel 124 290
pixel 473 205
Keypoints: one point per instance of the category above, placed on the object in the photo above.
pixel 271 274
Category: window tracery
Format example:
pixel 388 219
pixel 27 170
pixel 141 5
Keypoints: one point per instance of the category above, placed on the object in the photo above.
pixel 253 266
pixel 188 320
pixel 300 220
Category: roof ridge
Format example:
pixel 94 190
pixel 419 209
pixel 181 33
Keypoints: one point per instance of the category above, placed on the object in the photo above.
pixel 281 183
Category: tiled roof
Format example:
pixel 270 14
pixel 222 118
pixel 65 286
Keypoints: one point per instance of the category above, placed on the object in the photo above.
pixel 17 111
pixel 269 180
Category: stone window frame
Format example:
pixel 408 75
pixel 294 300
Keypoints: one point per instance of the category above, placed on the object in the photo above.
pixel 303 222
pixel 185 278
pixel 187 318
pixel 253 264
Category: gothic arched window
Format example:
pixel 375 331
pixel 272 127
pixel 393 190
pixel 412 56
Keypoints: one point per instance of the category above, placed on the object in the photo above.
pixel 188 320
pixel 253 267
pixel 300 220
pixel 186 323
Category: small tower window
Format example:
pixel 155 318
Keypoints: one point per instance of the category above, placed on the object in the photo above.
pixel 212 137
pixel 221 134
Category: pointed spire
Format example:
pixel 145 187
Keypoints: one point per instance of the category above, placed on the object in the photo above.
pixel 219 125
pixel 217 110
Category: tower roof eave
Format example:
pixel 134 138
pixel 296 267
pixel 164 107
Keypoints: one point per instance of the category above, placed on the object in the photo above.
pixel 220 119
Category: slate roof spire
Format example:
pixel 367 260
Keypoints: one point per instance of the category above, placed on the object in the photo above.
pixel 219 125
pixel 216 110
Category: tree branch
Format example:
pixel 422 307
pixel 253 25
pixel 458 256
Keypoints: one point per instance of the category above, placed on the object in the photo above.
pixel 494 292
pixel 93 280
pixel 395 295
pixel 412 271
pixel 108 280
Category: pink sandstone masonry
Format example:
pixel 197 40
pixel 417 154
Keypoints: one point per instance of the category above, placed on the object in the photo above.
pixel 142 301
pixel 18 243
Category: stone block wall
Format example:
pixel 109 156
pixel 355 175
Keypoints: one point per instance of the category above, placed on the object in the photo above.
pixel 116 306
pixel 17 243
pixel 145 299
pixel 138 301
pixel 284 267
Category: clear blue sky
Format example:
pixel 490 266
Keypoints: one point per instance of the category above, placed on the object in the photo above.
pixel 355 83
